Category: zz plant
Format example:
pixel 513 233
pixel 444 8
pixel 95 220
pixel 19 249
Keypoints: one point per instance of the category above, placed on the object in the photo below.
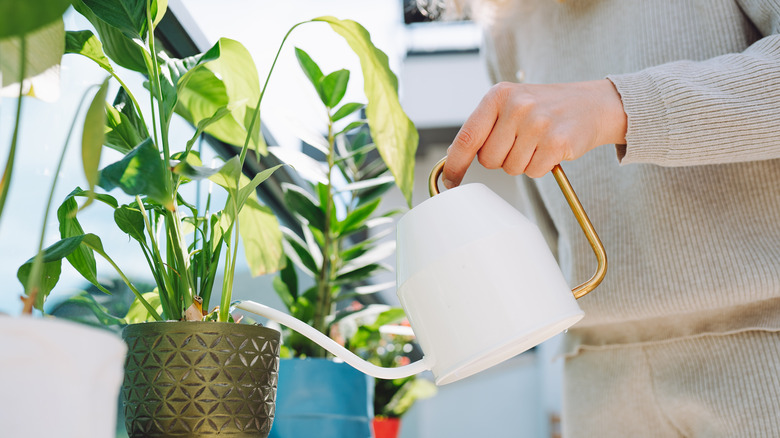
pixel 340 246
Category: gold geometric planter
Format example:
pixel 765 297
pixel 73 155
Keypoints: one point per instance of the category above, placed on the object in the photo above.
pixel 200 379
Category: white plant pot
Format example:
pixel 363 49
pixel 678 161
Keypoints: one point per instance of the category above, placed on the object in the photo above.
pixel 58 378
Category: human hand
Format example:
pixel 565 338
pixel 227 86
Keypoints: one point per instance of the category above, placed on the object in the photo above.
pixel 528 128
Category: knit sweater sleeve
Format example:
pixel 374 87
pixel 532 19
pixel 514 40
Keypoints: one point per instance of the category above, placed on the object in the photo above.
pixel 721 110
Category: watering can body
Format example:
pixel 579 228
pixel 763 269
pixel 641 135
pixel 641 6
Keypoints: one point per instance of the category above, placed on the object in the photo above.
pixel 478 282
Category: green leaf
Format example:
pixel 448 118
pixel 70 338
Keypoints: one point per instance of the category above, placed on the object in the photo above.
pixel 411 391
pixel 261 237
pixel 140 172
pixel 125 128
pixel 228 175
pixel 296 250
pixel 289 278
pixel 354 125
pixel 139 313
pixel 283 291
pixel 130 221
pixel 50 270
pixel 345 110
pixel 119 136
pixel 49 276
pixel 82 259
pixel 203 124
pixel 367 184
pixel 124 51
pixel 128 16
pixel 92 137
pixel 370 257
pixel 194 172
pixel 370 194
pixel 361 273
pixel 249 188
pixel 227 79
pixel 393 132
pixel 45 47
pixel 85 43
pixel 174 75
pixel 100 311
pixel 310 67
pixel 334 87
pixel 159 7
pixel 357 217
pixel 23 17
pixel 300 202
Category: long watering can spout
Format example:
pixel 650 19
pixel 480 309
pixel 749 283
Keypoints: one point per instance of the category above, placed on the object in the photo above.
pixel 332 346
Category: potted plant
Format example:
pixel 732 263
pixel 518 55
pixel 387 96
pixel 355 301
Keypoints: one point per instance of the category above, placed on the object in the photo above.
pixel 191 370
pixel 176 384
pixel 70 372
pixel 339 248
pixel 385 339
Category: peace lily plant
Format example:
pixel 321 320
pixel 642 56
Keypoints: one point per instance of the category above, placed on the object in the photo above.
pixel 218 92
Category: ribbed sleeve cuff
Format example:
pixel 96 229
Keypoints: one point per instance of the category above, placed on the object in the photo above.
pixel 647 135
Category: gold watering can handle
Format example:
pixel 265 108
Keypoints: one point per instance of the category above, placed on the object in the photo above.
pixel 579 213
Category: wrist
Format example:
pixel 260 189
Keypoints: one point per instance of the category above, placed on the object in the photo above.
pixel 614 118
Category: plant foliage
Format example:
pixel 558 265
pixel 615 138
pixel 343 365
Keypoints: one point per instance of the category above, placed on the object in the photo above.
pixel 341 244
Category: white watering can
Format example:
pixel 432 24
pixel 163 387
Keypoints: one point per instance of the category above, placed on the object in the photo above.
pixel 476 280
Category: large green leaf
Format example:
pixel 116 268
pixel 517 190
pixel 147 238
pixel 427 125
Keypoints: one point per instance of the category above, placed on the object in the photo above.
pixel 393 132
pixel 124 51
pixel 44 49
pixel 140 172
pixel 85 43
pixel 19 17
pixel 174 75
pixel 128 16
pixel 261 237
pixel 228 79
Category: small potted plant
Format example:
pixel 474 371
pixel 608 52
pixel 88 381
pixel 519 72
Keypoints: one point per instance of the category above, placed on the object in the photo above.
pixel 339 248
pixel 385 339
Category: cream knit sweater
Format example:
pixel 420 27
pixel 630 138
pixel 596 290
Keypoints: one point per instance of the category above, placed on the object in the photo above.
pixel 689 209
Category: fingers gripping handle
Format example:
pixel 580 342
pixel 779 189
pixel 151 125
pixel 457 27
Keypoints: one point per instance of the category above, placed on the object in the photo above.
pixel 576 208
pixel 333 347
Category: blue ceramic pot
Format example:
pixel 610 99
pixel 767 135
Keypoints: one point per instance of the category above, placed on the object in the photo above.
pixel 324 399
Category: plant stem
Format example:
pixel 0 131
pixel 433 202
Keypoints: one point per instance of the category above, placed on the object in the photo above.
pixel 262 93
pixel 35 272
pixel 166 294
pixel 327 270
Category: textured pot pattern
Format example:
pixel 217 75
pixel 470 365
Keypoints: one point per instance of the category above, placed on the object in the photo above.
pixel 200 379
